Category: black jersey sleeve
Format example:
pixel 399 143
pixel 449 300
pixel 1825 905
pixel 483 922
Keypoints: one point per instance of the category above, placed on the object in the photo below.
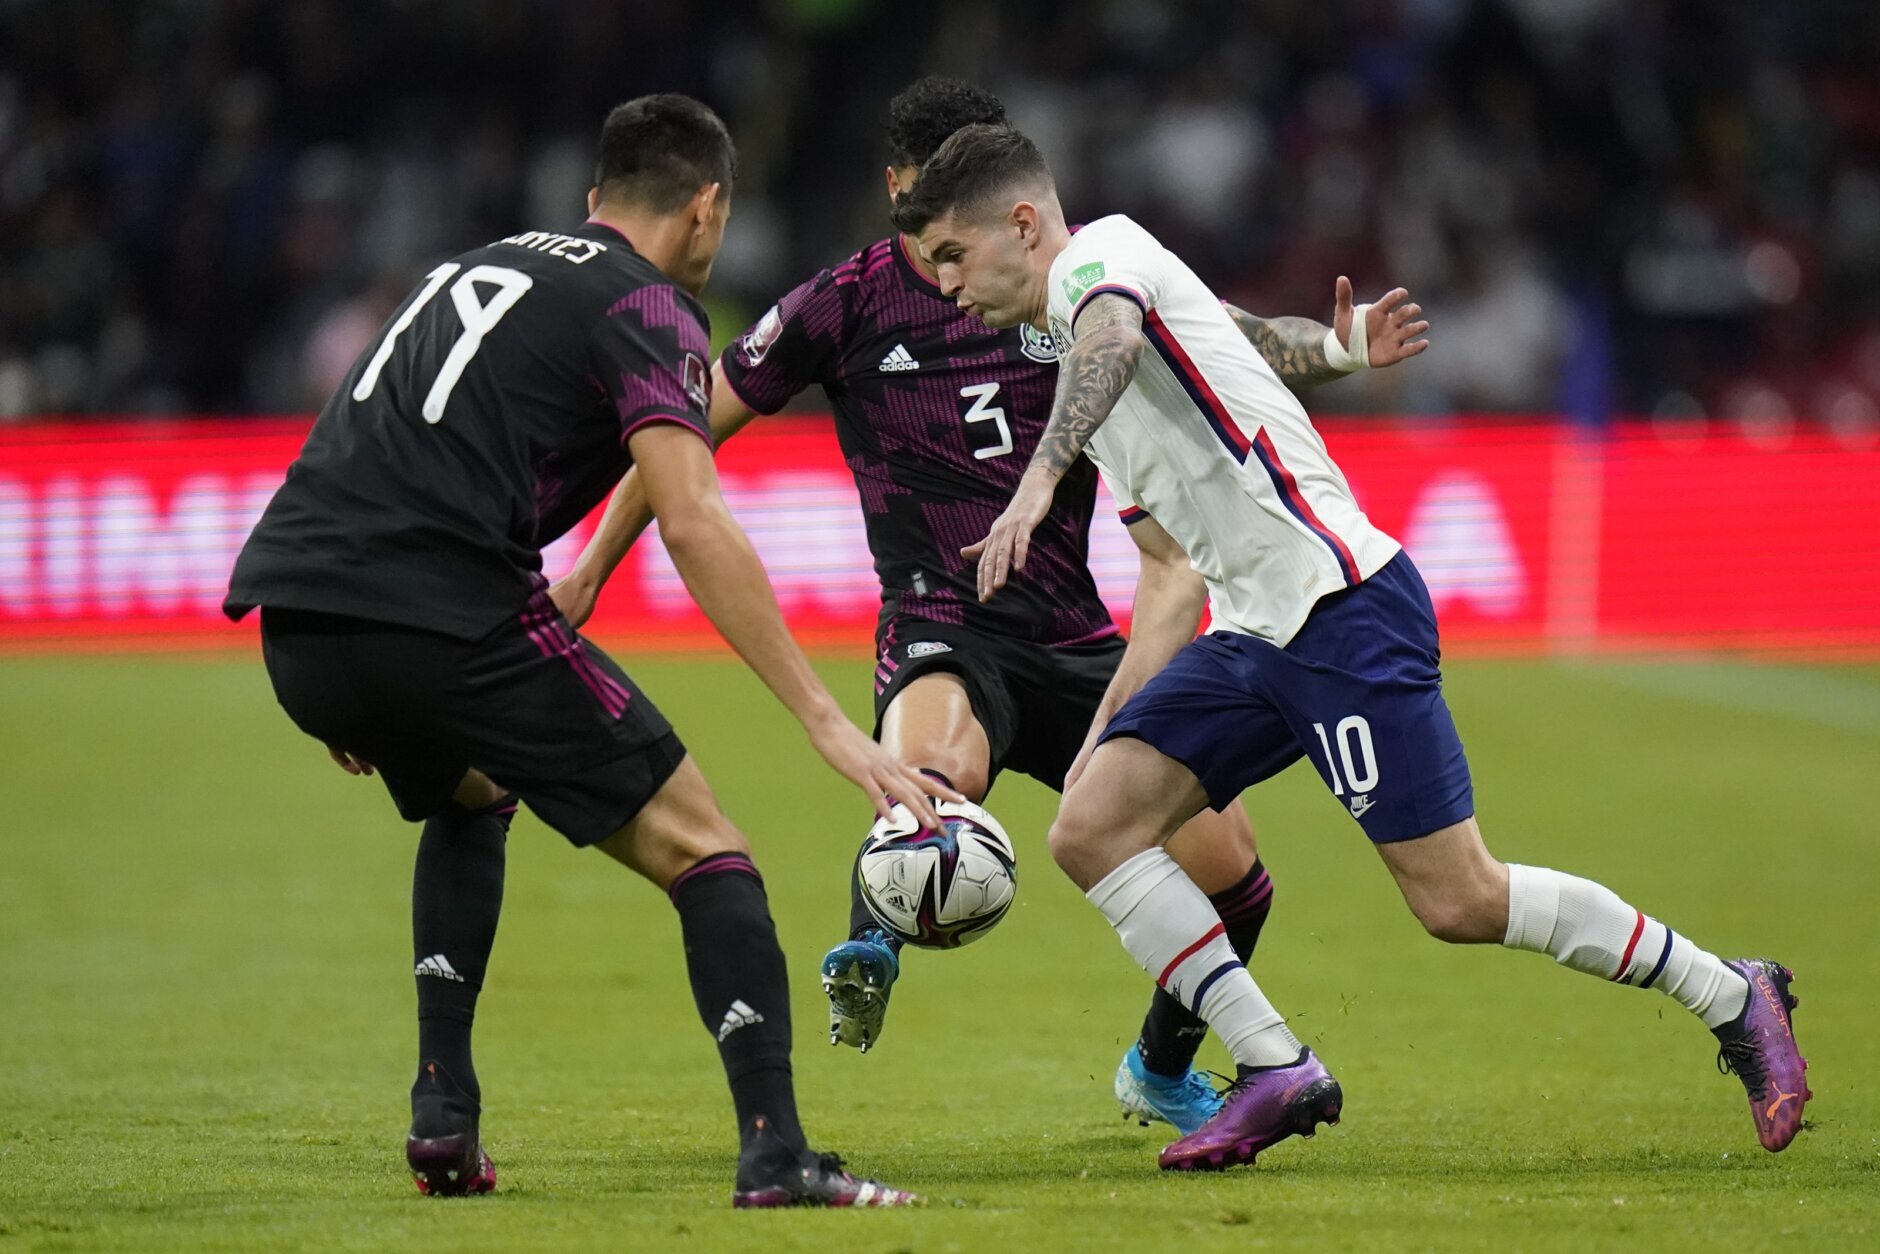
pixel 648 353
pixel 799 341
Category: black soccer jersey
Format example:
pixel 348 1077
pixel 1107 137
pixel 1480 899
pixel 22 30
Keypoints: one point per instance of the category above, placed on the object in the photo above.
pixel 938 415
pixel 489 417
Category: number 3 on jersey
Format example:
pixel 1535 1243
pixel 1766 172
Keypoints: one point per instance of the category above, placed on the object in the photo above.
pixel 478 321
pixel 983 410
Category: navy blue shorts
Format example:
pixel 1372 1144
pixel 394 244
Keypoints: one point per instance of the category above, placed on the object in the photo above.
pixel 1358 691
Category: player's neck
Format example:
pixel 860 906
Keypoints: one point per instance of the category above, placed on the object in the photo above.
pixel 1054 236
pixel 660 238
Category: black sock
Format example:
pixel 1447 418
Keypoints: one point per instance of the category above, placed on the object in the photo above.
pixel 456 896
pixel 741 987
pixel 1171 1033
pixel 860 920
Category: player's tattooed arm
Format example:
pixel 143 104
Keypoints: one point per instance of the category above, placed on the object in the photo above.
pixel 1091 378
pixel 1294 347
pixel 1297 351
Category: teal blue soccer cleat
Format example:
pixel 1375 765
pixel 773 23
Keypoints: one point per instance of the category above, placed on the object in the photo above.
pixel 857 975
pixel 1187 1101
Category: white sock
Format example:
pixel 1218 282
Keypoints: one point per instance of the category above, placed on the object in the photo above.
pixel 1169 926
pixel 1586 927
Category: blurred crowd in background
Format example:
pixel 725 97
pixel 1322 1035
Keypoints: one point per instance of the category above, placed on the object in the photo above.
pixel 1606 207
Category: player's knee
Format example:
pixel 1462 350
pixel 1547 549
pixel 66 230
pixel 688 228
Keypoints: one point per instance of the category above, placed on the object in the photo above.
pixel 1462 914
pixel 476 791
pixel 1087 843
pixel 1445 920
pixel 956 769
pixel 1070 841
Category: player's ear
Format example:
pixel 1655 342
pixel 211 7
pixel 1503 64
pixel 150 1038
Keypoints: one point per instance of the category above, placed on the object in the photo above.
pixel 901 181
pixel 594 200
pixel 1024 219
pixel 703 204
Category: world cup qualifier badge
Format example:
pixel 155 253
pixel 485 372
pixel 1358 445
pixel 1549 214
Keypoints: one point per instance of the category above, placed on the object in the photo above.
pixel 927 648
pixel 1082 279
pixel 755 345
pixel 1036 345
pixel 698 382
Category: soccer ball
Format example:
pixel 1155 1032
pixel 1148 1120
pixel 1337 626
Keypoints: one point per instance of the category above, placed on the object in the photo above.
pixel 938 889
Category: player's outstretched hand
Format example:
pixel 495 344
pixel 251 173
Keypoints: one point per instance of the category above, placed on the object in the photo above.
pixel 1005 546
pixel 575 598
pixel 1391 325
pixel 885 778
pixel 347 762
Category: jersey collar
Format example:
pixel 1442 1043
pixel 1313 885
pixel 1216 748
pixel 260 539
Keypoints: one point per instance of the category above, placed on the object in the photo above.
pixel 596 229
pixel 906 258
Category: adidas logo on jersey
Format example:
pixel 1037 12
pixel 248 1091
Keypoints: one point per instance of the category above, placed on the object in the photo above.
pixel 899 359
pixel 739 1016
pixel 438 965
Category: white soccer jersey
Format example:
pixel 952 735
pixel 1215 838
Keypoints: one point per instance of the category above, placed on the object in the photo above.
pixel 1208 442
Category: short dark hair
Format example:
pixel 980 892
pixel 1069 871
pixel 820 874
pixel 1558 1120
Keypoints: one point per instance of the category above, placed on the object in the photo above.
pixel 966 175
pixel 925 113
pixel 657 151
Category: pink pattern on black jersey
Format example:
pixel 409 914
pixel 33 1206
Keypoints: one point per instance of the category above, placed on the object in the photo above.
pixel 920 390
pixel 676 387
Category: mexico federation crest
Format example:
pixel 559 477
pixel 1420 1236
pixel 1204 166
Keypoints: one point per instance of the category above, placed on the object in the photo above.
pixel 698 382
pixel 757 341
pixel 1035 344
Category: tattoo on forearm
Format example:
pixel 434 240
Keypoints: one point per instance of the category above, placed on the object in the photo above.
pixel 1294 347
pixel 1091 378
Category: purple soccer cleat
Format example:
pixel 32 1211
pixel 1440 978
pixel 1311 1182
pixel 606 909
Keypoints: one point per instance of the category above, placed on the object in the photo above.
pixel 1758 1047
pixel 1261 1108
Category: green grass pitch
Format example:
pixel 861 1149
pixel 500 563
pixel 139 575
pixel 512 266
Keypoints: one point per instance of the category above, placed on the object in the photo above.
pixel 205 1023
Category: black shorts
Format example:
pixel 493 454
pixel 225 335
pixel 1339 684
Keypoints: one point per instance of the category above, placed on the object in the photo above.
pixel 533 706
pixel 1035 701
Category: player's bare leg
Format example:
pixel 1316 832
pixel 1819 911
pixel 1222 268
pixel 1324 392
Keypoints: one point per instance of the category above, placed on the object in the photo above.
pixel 929 724
pixel 1109 838
pixel 1156 1078
pixel 682 842
pixel 456 897
pixel 1461 893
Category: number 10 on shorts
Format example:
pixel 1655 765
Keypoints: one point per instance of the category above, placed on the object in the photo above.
pixel 1353 736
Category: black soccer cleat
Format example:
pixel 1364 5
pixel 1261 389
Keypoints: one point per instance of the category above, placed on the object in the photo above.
pixel 771 1173
pixel 443 1147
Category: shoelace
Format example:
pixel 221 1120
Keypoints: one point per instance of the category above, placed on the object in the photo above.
pixel 1739 1058
pixel 1198 1086
pixel 1233 1084
pixel 832 1164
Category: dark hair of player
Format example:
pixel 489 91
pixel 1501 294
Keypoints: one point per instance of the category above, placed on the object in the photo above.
pixel 657 151
pixel 925 113
pixel 967 175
